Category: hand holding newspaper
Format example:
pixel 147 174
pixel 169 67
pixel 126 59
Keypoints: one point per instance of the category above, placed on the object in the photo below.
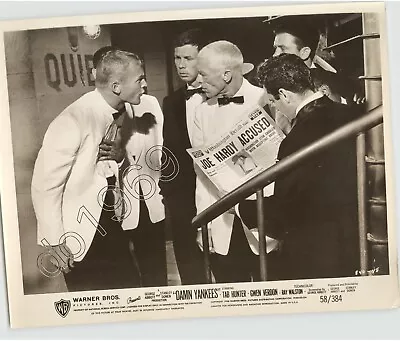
pixel 248 148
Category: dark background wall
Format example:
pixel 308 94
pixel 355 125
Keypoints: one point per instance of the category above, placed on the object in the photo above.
pixel 153 41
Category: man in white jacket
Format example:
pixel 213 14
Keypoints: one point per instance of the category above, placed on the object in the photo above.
pixel 72 191
pixel 143 217
pixel 230 96
pixel 144 221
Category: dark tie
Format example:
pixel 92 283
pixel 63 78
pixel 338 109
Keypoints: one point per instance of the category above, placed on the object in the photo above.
pixel 115 126
pixel 118 113
pixel 227 100
pixel 114 131
pixel 190 92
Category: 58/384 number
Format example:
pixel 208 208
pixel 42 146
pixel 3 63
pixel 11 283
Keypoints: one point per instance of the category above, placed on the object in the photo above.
pixel 330 298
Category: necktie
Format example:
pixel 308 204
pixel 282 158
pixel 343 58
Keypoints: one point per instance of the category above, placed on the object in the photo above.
pixel 114 135
pixel 118 113
pixel 190 92
pixel 227 100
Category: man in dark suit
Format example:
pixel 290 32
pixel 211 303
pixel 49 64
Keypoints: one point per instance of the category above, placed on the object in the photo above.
pixel 314 206
pixel 178 178
pixel 300 35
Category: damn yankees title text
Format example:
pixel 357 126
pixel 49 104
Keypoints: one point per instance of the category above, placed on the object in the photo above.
pixel 213 293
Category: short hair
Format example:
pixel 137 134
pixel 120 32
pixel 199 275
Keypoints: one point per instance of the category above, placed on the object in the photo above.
pixel 114 63
pixel 194 36
pixel 100 53
pixel 286 71
pixel 226 52
pixel 305 32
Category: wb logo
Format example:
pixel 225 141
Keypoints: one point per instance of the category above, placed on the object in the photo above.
pixel 62 307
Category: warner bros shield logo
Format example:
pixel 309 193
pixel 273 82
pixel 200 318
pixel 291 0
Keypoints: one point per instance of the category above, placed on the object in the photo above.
pixel 62 307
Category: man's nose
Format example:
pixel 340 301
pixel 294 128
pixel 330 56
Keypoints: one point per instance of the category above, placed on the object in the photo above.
pixel 144 83
pixel 277 52
pixel 182 64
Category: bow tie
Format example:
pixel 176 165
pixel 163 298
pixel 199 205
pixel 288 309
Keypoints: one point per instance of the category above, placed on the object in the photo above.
pixel 227 100
pixel 190 92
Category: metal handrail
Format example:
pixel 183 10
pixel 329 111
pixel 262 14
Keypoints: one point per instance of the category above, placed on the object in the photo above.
pixel 356 127
pixel 373 118
pixel 360 36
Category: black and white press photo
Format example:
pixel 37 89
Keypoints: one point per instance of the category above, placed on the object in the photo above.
pixel 181 164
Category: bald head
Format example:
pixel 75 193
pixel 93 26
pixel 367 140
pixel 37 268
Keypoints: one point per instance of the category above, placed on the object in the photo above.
pixel 220 66
pixel 222 54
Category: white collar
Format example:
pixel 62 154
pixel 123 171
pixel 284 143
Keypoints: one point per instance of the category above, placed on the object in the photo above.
pixel 309 99
pixel 191 87
pixel 242 89
pixel 103 106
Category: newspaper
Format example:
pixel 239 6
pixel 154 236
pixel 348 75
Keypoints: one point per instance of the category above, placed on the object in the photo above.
pixel 46 64
pixel 248 148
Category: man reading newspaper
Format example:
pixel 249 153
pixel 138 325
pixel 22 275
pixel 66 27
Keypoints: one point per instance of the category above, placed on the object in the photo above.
pixel 314 207
pixel 230 97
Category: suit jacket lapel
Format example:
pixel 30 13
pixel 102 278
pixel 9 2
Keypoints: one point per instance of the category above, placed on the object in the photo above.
pixel 181 119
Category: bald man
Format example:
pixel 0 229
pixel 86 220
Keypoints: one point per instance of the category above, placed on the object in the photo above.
pixel 229 97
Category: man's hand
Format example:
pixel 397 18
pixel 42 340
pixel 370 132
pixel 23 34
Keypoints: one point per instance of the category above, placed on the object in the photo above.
pixel 358 98
pixel 199 240
pixel 59 256
pixel 110 151
pixel 231 210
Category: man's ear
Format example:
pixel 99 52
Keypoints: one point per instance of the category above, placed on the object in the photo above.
pixel 305 53
pixel 227 76
pixel 94 73
pixel 116 88
pixel 285 95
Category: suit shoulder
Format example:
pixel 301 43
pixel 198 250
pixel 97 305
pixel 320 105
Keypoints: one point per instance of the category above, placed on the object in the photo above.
pixel 76 109
pixel 341 113
pixel 174 95
pixel 206 105
pixel 83 105
pixel 256 88
pixel 148 104
pixel 152 100
pixel 253 93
